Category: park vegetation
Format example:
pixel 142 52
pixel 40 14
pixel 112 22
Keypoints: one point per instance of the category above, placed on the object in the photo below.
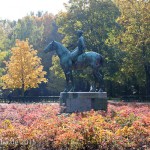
pixel 39 127
pixel 117 29
pixel 24 70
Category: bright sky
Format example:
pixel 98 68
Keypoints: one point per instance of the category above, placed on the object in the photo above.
pixel 16 9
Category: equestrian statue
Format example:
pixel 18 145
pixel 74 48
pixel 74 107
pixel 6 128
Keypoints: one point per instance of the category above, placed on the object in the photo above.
pixel 76 60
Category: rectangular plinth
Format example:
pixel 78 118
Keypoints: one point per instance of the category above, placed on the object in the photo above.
pixel 83 101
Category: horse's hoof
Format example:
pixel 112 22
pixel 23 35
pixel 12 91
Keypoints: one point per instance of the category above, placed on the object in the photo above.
pixel 101 90
pixel 92 91
pixel 72 90
pixel 65 90
pixel 97 90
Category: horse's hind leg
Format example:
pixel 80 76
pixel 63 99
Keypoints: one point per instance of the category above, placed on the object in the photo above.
pixel 99 79
pixel 93 85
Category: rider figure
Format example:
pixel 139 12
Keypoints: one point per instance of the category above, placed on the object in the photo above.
pixel 81 44
pixel 80 49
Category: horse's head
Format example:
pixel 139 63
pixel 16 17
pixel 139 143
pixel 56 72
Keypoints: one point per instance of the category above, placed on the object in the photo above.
pixel 50 47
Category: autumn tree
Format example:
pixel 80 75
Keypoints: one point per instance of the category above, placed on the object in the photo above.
pixel 134 40
pixel 40 29
pixel 24 69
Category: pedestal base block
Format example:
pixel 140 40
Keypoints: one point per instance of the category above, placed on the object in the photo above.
pixel 83 101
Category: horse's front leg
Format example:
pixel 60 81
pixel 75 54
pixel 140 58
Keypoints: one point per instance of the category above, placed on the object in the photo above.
pixel 72 82
pixel 67 68
pixel 67 82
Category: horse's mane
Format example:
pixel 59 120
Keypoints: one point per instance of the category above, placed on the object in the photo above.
pixel 62 47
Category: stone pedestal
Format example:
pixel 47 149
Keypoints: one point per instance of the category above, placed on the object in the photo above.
pixel 83 101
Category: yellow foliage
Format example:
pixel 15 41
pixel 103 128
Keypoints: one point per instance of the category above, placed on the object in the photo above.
pixel 126 131
pixel 24 69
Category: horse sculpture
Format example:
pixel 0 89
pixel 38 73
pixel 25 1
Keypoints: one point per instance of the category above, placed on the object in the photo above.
pixel 87 59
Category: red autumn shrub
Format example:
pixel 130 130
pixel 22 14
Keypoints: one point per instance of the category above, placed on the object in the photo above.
pixel 40 126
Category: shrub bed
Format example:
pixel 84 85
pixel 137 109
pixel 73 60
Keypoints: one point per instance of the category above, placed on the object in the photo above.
pixel 40 127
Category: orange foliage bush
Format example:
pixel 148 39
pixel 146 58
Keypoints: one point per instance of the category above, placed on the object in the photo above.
pixel 40 126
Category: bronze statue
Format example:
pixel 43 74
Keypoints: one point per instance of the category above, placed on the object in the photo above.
pixel 78 59
pixel 80 49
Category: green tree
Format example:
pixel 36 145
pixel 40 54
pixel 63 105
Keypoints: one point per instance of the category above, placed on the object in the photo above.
pixel 134 40
pixel 55 84
pixel 3 45
pixel 97 19
pixel 28 27
pixel 49 33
